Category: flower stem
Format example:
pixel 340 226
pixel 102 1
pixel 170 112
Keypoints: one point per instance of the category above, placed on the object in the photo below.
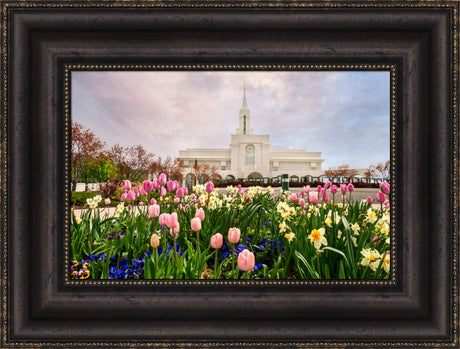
pixel 215 265
pixel 233 260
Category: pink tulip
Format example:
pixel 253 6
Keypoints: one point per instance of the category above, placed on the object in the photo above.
pixel 385 187
pixel 333 189
pixel 127 185
pixel 375 238
pixel 307 189
pixel 143 192
pixel 318 188
pixel 172 220
pixel 155 185
pixel 369 200
pixel 136 190
pixel 185 190
pixel 387 203
pixel 123 189
pixel 217 240
pixel 107 201
pixel 239 186
pixel 327 185
pixel 350 187
pixel 246 260
pixel 141 203
pixel 234 235
pixel 175 231
pixel 106 212
pixel 163 218
pixel 200 214
pixel 154 211
pixel 301 202
pixel 210 187
pixel 162 179
pixel 322 192
pixel 313 197
pixel 381 197
pixel 153 201
pixel 131 196
pixel 147 186
pixel 326 198
pixel 180 193
pixel 176 200
pixel 162 191
pixel 343 188
pixel 171 185
pixel 196 224
pixel 293 197
pixel 123 197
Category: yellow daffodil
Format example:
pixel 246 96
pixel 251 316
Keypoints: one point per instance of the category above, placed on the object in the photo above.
pixel 77 220
pixel 328 221
pixel 290 236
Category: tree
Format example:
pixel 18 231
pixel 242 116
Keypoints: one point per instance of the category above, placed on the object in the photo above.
pixel 85 147
pixel 381 170
pixel 341 171
pixel 100 170
pixel 132 161
pixel 205 173
pixel 172 168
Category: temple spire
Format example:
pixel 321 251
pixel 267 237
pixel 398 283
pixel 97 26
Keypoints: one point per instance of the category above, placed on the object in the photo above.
pixel 245 103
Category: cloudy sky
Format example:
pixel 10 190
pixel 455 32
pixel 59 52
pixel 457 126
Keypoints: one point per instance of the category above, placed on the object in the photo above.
pixel 344 115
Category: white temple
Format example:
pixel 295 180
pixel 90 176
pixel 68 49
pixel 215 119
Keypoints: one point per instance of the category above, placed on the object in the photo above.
pixel 250 156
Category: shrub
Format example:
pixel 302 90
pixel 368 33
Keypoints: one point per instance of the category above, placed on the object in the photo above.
pixel 79 197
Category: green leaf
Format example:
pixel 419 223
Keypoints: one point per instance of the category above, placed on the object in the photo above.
pixel 337 251
pixel 312 272
pixel 350 247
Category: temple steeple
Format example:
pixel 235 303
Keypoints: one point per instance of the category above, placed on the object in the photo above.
pixel 245 117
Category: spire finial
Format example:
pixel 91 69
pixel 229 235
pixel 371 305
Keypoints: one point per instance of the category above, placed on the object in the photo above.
pixel 245 103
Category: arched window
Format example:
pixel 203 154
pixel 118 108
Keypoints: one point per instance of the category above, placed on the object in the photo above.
pixel 250 155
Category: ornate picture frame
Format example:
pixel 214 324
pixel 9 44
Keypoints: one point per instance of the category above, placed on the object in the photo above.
pixel 42 40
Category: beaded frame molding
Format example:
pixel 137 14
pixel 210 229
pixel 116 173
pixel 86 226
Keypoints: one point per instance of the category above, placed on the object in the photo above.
pixel 44 41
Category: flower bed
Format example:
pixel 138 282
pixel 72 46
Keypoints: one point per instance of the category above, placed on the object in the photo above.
pixel 160 231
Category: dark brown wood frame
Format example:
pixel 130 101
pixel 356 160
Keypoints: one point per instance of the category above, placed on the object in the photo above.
pixel 41 40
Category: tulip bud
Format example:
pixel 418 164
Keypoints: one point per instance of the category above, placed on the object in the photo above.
pixel 196 224
pixel 172 220
pixel 350 187
pixel 131 196
pixel 162 191
pixel 153 201
pixel 385 187
pixel 343 188
pixel 333 189
pixel 176 200
pixel 200 214
pixel 301 202
pixel 318 188
pixel 107 201
pixel 369 200
pixel 175 231
pixel 293 197
pixel 327 185
pixel 162 179
pixel 180 193
pixel 210 187
pixel 313 197
pixel 234 235
pixel 123 197
pixel 127 185
pixel 155 241
pixel 307 189
pixel 154 211
pixel 171 185
pixel 163 218
pixel 246 260
pixel 217 240
pixel 381 197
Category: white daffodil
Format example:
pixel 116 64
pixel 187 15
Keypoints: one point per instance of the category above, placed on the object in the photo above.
pixel 355 227
pixel 386 262
pixel 317 238
pixel 371 258
pixel 290 236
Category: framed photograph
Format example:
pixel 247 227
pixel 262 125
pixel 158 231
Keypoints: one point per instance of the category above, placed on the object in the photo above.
pixel 229 174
